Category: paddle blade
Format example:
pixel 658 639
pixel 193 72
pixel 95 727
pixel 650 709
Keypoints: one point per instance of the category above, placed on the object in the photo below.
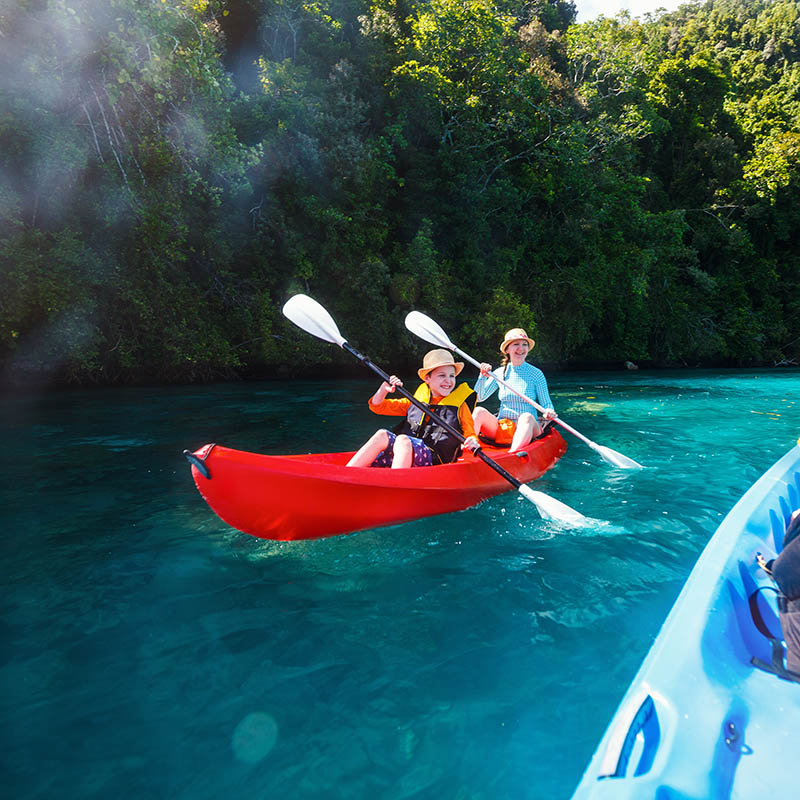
pixel 550 508
pixel 424 327
pixel 615 458
pixel 309 315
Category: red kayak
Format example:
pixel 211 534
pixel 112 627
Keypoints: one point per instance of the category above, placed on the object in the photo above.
pixel 316 495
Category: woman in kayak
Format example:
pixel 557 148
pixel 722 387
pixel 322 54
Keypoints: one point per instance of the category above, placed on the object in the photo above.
pixel 419 441
pixel 516 423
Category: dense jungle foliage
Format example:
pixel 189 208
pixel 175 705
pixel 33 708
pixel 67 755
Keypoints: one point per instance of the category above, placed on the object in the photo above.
pixel 171 171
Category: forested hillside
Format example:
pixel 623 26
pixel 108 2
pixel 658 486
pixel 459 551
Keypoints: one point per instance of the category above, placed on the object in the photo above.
pixel 171 171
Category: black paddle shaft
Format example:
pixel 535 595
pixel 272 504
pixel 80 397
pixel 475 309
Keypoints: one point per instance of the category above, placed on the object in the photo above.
pixel 437 419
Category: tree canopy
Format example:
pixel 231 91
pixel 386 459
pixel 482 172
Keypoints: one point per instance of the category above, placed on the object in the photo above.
pixel 171 171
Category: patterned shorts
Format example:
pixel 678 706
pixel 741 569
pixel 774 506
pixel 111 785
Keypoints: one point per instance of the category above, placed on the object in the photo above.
pixel 423 455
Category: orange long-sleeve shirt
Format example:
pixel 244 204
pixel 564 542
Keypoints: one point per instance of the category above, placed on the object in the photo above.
pixel 398 407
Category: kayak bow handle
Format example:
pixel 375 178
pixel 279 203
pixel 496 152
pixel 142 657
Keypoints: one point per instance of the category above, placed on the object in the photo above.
pixel 198 464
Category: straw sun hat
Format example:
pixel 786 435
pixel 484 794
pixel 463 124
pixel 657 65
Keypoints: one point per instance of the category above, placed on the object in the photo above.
pixel 438 358
pixel 512 336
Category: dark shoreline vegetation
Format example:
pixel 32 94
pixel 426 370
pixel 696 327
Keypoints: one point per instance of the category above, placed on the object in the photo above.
pixel 29 384
pixel 171 172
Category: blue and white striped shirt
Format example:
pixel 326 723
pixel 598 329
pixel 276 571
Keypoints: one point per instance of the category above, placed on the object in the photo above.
pixel 525 378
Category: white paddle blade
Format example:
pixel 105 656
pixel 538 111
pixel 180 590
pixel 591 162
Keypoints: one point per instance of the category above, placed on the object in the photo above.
pixel 614 458
pixel 550 508
pixel 309 315
pixel 424 327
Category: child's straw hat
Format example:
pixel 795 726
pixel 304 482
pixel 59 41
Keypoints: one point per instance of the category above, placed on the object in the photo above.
pixel 438 358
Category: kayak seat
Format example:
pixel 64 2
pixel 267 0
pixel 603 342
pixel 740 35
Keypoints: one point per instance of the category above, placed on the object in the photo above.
pixel 505 445
pixel 768 653
pixel 719 645
pixel 767 622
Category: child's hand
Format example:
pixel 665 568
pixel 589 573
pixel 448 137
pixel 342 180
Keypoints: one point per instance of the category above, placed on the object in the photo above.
pixel 486 369
pixel 471 443
pixel 385 388
pixel 393 382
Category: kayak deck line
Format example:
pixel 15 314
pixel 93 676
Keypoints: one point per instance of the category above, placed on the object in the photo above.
pixel 700 720
pixel 308 496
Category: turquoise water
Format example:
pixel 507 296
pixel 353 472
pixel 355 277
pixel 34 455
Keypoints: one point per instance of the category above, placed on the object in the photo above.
pixel 150 651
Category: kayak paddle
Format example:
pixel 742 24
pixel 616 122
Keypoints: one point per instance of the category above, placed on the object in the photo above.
pixel 429 330
pixel 309 315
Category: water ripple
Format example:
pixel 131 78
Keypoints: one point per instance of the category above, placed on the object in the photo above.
pixel 152 651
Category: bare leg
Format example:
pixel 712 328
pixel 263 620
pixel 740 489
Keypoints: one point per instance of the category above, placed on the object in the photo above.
pixel 403 452
pixel 485 422
pixel 370 450
pixel 527 428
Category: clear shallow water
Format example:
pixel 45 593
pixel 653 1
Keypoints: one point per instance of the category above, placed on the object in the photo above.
pixel 150 651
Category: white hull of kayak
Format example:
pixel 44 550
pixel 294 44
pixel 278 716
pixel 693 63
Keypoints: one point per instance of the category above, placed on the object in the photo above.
pixel 699 720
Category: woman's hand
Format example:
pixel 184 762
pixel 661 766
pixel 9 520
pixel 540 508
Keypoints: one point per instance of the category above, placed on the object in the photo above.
pixel 471 443
pixel 486 369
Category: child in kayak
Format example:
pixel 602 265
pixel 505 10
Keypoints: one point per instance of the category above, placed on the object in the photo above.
pixel 516 423
pixel 419 441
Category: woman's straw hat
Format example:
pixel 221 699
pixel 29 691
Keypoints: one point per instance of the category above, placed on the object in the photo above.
pixel 512 336
pixel 438 358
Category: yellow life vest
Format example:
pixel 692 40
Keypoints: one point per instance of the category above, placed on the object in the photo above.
pixel 445 446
